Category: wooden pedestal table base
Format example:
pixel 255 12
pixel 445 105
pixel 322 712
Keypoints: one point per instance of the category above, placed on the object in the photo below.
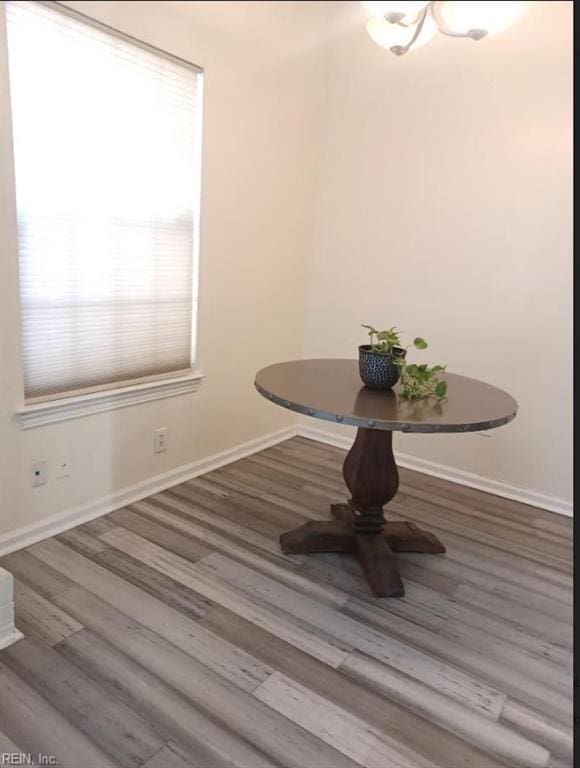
pixel 331 390
pixel 359 527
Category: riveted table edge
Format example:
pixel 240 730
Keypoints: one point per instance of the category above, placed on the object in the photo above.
pixel 391 426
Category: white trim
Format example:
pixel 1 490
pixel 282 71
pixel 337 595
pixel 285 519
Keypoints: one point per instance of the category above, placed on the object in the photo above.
pixel 106 400
pixel 8 632
pixel 62 521
pixel 459 476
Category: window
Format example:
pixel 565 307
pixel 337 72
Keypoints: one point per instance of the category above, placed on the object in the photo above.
pixel 107 139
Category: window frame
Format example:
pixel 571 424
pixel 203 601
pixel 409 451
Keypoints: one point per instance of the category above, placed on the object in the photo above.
pixel 63 406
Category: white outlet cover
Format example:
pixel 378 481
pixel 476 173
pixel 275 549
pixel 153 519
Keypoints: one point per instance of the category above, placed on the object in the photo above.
pixel 160 440
pixel 38 473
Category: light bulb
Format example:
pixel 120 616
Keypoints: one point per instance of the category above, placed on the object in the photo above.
pixel 388 35
pixel 491 16
pixel 404 9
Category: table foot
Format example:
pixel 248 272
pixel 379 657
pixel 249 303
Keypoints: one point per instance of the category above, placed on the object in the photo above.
pixel 400 536
pixel 379 566
pixel 374 554
pixel 319 536
pixel 407 537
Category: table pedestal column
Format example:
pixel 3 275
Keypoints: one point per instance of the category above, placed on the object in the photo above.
pixel 359 527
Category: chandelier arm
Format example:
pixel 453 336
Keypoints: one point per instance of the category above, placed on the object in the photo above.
pixel 410 24
pixel 474 34
pixel 399 50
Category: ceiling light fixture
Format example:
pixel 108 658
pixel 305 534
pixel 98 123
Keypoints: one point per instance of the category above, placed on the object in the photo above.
pixel 400 26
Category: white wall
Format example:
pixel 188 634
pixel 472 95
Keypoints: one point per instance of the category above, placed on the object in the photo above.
pixel 442 204
pixel 445 209
pixel 261 120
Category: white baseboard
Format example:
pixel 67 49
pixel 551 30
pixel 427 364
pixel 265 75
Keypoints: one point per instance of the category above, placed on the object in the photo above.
pixel 62 521
pixel 8 632
pixel 469 479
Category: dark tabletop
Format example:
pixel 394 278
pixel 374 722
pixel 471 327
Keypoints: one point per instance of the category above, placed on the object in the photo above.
pixel 332 390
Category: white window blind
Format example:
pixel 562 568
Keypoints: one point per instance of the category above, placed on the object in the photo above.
pixel 107 136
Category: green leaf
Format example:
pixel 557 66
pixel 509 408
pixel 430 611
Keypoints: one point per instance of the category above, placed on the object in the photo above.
pixel 412 369
pixel 370 328
pixel 441 389
pixel 388 336
pixel 420 343
pixel 437 368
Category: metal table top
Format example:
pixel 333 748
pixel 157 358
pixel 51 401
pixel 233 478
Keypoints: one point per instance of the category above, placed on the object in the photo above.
pixel 331 389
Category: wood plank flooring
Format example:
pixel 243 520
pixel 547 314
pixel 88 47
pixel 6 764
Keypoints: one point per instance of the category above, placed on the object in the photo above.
pixel 174 633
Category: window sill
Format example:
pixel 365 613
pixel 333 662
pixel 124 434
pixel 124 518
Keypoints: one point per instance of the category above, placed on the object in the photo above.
pixel 108 400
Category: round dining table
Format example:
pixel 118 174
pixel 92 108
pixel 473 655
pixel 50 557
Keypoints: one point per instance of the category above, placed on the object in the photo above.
pixel 331 390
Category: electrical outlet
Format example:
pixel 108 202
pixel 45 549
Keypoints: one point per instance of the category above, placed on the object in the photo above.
pixel 160 440
pixel 38 472
pixel 62 469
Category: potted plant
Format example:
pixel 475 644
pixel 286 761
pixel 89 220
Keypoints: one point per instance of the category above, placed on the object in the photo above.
pixel 382 363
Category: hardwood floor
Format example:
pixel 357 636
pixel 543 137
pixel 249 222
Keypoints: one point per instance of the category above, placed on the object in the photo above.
pixel 175 634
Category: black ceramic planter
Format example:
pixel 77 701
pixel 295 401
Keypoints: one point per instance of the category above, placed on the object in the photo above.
pixel 378 371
